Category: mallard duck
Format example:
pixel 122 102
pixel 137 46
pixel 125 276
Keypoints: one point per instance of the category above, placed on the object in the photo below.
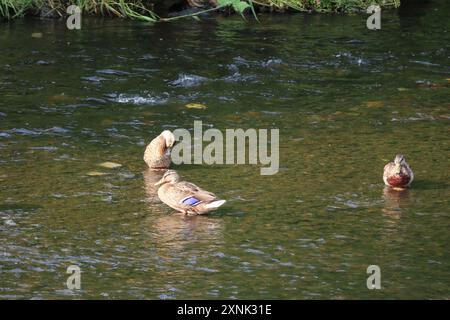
pixel 184 196
pixel 398 174
pixel 157 153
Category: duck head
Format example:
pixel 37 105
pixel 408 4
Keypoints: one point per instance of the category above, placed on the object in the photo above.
pixel 399 161
pixel 169 138
pixel 170 176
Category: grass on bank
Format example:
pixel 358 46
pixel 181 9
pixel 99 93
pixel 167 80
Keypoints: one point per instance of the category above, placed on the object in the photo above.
pixel 325 5
pixel 143 9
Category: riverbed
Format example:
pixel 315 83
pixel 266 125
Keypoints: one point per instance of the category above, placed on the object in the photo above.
pixel 344 98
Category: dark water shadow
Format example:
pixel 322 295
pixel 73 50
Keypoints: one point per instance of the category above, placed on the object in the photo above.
pixel 424 184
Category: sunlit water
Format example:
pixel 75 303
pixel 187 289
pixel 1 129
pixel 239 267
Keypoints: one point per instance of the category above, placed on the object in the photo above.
pixel 345 99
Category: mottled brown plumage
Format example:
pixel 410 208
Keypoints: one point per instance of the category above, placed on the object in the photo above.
pixel 157 153
pixel 398 174
pixel 184 196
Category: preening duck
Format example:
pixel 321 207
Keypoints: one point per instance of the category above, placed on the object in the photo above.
pixel 157 153
pixel 184 196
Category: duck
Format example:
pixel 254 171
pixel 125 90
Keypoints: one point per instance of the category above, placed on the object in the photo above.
pixel 186 197
pixel 157 152
pixel 397 174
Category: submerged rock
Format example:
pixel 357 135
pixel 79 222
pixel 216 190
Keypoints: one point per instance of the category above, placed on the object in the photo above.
pixel 195 106
pixel 110 165
pixel 96 173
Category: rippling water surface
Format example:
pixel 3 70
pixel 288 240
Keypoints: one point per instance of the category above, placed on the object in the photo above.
pixel 345 99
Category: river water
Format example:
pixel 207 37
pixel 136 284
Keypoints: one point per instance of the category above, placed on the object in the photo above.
pixel 345 99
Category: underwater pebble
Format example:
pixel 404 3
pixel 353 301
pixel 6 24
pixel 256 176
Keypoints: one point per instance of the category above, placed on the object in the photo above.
pixel 195 106
pixel 95 173
pixel 110 165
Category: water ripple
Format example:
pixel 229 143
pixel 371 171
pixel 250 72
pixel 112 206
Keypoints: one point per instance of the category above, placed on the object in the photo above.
pixel 139 99
pixel 188 80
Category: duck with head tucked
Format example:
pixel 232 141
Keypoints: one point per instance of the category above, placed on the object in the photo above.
pixel 157 153
pixel 398 174
pixel 184 196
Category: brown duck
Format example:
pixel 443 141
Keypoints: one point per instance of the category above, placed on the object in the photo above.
pixel 184 196
pixel 157 153
pixel 398 174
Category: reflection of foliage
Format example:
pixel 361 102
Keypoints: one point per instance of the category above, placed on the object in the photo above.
pixel 228 29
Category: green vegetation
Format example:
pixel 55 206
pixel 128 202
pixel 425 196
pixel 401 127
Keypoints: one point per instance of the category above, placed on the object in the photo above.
pixel 144 9
pixel 134 9
pixel 325 5
pixel 10 9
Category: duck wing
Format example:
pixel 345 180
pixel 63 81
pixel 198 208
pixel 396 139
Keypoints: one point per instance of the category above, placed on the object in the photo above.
pixel 387 172
pixel 193 194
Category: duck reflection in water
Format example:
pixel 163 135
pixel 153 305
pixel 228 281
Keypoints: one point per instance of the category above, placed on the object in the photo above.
pixel 150 178
pixel 175 230
pixel 395 201
pixel 178 230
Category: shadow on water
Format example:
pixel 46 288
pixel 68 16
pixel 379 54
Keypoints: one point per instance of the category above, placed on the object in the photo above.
pixel 423 184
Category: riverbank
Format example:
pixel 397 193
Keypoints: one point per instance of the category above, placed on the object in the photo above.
pixel 160 10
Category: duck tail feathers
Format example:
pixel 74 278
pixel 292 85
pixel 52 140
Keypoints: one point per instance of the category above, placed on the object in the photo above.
pixel 215 204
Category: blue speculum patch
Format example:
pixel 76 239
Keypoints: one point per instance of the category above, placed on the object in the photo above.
pixel 191 201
